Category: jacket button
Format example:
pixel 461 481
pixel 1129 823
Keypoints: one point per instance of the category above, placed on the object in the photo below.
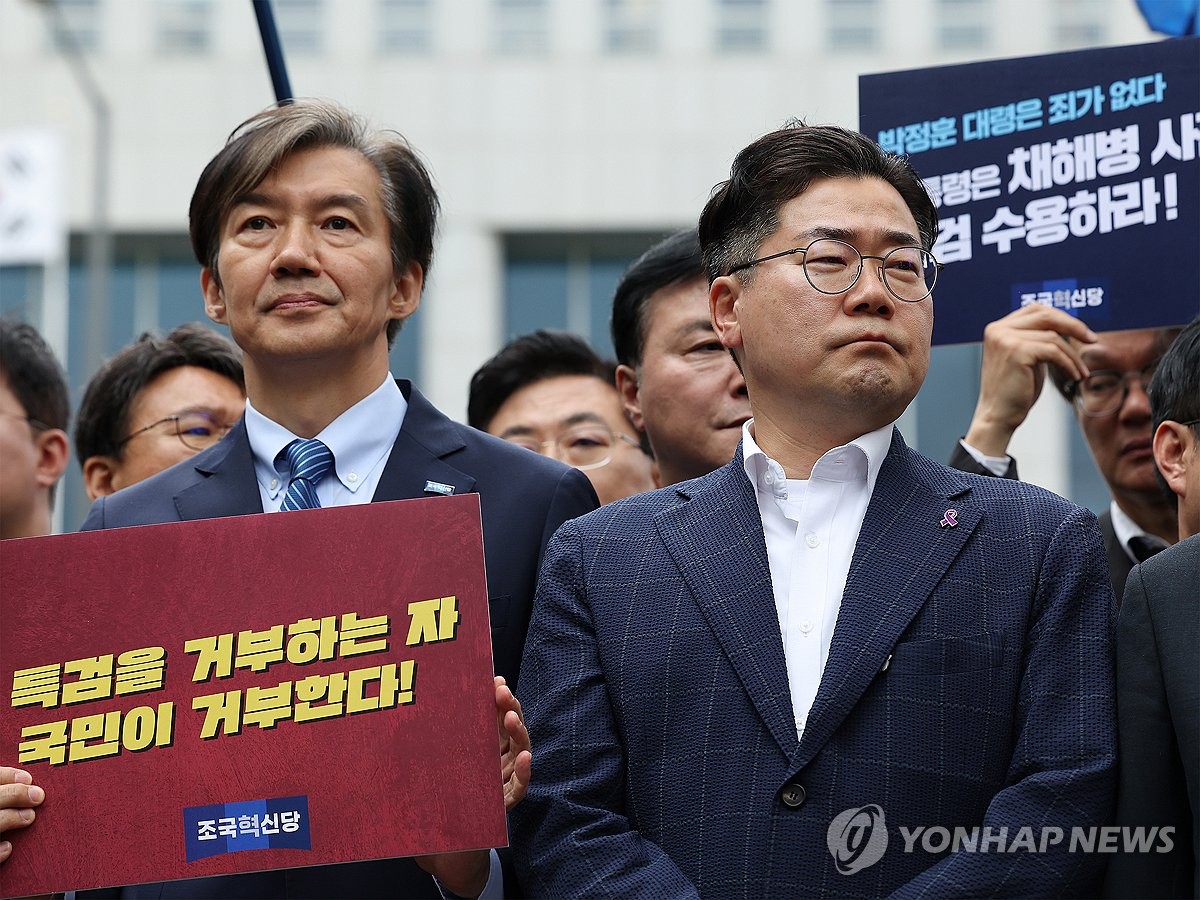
pixel 792 796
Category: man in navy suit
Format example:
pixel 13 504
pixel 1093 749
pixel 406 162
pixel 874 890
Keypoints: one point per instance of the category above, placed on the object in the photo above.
pixel 1158 663
pixel 817 669
pixel 315 236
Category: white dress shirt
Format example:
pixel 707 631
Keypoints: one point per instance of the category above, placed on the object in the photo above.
pixel 997 465
pixel 1126 530
pixel 811 527
pixel 360 439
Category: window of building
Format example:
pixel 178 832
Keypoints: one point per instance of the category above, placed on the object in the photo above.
pixel 630 26
pixel 853 24
pixel 300 24
pixel 742 25
pixel 567 281
pixel 75 22
pixel 963 24
pixel 183 26
pixel 1080 23
pixel 521 27
pixel 405 26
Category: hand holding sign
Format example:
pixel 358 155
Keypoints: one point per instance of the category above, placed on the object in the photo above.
pixel 1016 350
pixel 516 759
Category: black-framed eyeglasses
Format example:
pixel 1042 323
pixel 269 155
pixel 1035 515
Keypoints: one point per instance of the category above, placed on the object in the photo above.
pixel 583 447
pixel 33 423
pixel 196 429
pixel 1104 391
pixel 833 267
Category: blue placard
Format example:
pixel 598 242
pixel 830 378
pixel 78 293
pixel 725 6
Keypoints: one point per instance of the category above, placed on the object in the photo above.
pixel 246 825
pixel 1071 179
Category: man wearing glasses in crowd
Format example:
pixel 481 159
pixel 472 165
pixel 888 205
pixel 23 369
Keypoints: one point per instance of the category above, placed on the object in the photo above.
pixel 549 392
pixel 155 403
pixel 1105 377
pixel 744 684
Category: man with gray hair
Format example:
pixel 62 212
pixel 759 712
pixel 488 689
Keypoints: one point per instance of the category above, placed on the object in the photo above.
pixel 315 236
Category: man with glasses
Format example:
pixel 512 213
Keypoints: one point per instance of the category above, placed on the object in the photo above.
pixel 775 679
pixel 550 393
pixel 33 421
pixel 155 403
pixel 1105 377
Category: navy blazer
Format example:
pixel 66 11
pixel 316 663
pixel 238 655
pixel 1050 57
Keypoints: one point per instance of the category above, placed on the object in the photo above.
pixel 1158 710
pixel 1119 562
pixel 969 682
pixel 524 497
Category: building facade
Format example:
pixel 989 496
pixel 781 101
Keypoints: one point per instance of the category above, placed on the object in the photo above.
pixel 564 137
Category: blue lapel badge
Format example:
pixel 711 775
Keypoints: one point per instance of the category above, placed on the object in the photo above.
pixel 436 487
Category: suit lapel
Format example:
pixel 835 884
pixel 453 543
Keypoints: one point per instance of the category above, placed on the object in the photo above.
pixel 716 540
pixel 417 459
pixel 902 553
pixel 227 485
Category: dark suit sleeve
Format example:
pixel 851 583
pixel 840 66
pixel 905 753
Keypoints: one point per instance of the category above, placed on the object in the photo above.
pixel 1063 768
pixel 573 497
pixel 570 835
pixel 95 517
pixel 1151 786
pixel 963 461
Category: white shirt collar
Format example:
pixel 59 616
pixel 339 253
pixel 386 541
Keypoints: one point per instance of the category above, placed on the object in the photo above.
pixel 355 438
pixel 1124 528
pixel 858 460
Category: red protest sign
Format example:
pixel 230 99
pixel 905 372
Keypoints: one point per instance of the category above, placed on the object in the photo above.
pixel 212 697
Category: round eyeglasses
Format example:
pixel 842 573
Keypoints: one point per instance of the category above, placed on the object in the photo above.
pixel 833 267
pixel 583 447
pixel 196 429
pixel 1103 392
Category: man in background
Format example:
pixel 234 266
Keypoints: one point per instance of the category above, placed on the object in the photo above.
pixel 34 409
pixel 550 393
pixel 678 384
pixel 155 403
pixel 1104 376
pixel 1158 656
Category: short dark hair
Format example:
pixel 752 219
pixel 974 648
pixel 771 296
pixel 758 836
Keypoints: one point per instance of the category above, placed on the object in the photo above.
pixel 671 261
pixel 103 419
pixel 265 140
pixel 1175 389
pixel 744 211
pixel 546 353
pixel 1066 383
pixel 34 374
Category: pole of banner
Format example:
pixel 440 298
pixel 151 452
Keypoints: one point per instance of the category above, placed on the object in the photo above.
pixel 273 50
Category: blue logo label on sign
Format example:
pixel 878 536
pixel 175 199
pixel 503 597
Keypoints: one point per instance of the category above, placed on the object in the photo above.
pixel 1072 295
pixel 246 825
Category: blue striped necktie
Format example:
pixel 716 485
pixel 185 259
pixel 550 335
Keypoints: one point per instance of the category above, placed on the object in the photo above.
pixel 310 461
